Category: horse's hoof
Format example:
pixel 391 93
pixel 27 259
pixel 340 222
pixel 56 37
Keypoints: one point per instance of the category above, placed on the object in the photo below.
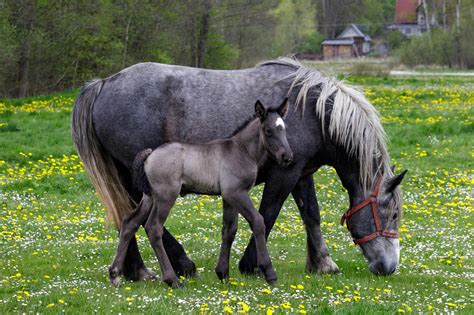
pixel 272 281
pixel 247 268
pixel 325 266
pixel 222 275
pixel 134 273
pixel 185 267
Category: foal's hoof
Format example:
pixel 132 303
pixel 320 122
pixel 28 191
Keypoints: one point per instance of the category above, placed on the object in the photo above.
pixel 115 282
pixel 175 284
pixel 114 276
pixel 271 278
pixel 146 274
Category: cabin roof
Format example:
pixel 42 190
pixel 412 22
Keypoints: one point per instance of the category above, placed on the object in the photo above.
pixel 352 31
pixel 345 41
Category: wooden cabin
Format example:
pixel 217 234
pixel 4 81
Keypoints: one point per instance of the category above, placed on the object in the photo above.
pixel 351 43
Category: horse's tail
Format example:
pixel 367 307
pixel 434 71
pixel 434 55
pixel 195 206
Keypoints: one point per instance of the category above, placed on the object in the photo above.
pixel 140 181
pixel 98 163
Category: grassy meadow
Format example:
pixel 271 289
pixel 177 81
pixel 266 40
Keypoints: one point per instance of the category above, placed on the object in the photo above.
pixel 56 246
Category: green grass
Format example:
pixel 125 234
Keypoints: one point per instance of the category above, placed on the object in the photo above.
pixel 56 247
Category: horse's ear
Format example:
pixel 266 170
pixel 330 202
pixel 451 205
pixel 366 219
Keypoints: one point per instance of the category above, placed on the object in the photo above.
pixel 260 110
pixel 393 182
pixel 283 109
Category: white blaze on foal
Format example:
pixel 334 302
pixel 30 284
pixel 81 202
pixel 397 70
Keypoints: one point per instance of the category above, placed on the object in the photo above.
pixel 279 122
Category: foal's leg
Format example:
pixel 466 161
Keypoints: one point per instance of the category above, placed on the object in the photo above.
pixel 130 225
pixel 242 202
pixel 318 258
pixel 277 188
pixel 154 229
pixel 229 228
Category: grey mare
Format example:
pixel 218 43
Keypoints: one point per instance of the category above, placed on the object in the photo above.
pixel 329 123
pixel 226 167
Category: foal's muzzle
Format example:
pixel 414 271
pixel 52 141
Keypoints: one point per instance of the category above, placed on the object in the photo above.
pixel 286 158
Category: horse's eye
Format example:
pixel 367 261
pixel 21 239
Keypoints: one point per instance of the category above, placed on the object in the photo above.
pixel 395 216
pixel 268 132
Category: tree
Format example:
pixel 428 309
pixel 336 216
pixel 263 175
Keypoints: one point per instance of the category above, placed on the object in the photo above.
pixel 294 24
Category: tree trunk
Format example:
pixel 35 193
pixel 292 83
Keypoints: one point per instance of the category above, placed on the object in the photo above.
pixel 427 17
pixel 203 33
pixel 26 24
pixel 460 60
pixel 127 29
pixel 444 16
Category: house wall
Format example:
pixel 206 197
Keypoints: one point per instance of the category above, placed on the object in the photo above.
pixel 408 30
pixel 337 52
pixel 359 42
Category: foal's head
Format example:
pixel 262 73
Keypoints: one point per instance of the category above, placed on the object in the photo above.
pixel 273 132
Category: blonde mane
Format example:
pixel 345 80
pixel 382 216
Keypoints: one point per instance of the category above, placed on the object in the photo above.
pixel 354 123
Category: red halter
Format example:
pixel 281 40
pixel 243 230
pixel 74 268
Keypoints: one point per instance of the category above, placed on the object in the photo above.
pixel 372 199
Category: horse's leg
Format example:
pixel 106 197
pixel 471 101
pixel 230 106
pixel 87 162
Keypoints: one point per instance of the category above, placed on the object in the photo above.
pixel 229 228
pixel 130 225
pixel 277 188
pixel 242 202
pixel 134 267
pixel 155 230
pixel 318 258
pixel 182 265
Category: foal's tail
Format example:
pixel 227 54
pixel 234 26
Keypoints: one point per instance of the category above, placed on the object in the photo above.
pixel 98 163
pixel 140 181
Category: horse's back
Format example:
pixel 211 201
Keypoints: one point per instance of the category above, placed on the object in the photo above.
pixel 148 104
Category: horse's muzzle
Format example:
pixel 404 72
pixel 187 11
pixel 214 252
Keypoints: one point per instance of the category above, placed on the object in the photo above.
pixel 383 267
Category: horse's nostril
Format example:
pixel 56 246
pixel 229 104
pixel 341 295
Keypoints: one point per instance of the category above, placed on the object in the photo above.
pixel 383 268
pixel 286 158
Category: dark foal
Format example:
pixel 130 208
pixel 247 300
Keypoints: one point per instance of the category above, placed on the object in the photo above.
pixel 225 167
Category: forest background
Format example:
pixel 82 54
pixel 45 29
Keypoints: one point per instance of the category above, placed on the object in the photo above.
pixel 51 45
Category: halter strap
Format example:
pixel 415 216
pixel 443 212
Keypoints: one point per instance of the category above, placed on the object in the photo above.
pixel 372 200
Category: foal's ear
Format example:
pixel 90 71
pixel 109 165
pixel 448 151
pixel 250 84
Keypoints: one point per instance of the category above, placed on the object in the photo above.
pixel 260 110
pixel 393 182
pixel 283 109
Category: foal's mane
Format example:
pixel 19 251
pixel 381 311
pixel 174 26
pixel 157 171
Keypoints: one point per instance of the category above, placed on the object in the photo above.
pixel 354 123
pixel 243 125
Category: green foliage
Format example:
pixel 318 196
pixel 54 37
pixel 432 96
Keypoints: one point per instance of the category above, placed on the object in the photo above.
pixel 395 39
pixel 312 43
pixel 220 54
pixel 74 41
pixel 295 23
pixel 435 48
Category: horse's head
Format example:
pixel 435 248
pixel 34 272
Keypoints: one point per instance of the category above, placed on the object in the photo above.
pixel 374 222
pixel 273 132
